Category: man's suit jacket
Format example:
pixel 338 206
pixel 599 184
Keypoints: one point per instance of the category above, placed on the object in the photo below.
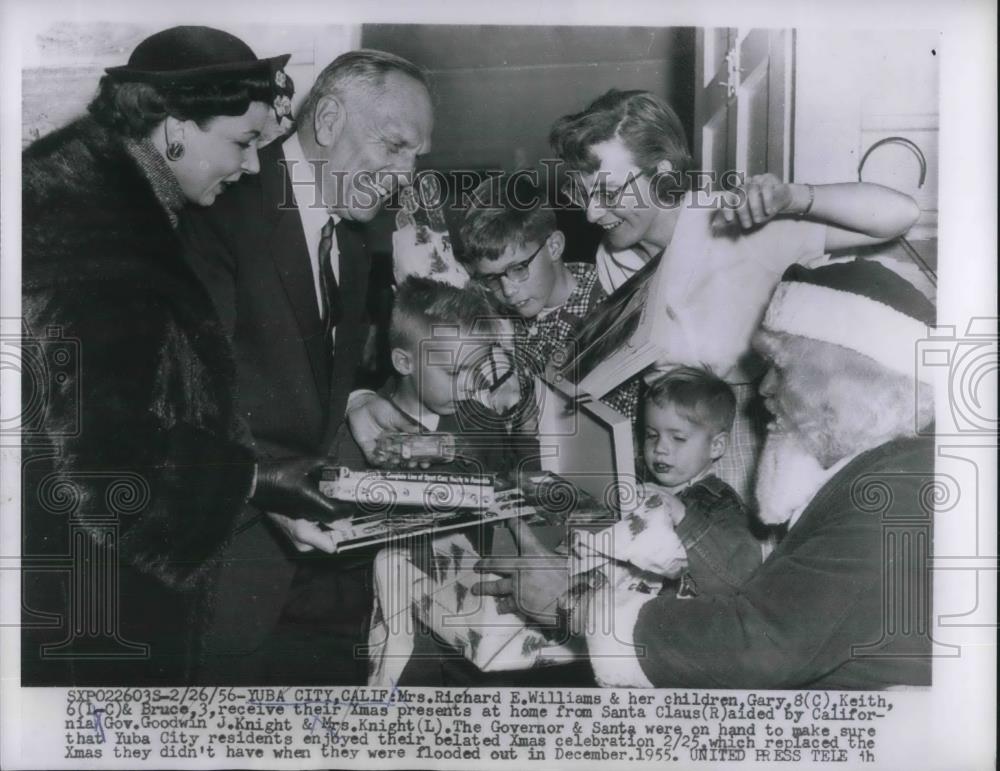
pixel 250 251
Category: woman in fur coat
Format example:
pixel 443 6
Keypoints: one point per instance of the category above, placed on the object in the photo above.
pixel 135 467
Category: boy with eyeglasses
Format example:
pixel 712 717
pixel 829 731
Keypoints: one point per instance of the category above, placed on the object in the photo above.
pixel 512 246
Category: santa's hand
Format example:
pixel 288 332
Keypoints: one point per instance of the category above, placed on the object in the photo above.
pixel 532 583
pixel 761 198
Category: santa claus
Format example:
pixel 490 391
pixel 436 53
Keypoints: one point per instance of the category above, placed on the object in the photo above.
pixel 846 459
pixel 843 601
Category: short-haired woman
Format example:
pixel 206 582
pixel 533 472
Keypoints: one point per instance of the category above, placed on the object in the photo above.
pixel 631 171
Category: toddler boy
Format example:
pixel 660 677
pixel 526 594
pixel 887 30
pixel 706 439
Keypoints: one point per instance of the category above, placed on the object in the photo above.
pixel 440 337
pixel 689 525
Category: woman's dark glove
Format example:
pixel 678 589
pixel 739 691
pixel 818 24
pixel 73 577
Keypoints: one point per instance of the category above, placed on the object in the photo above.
pixel 288 486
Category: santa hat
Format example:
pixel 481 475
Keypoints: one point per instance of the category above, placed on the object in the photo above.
pixel 859 305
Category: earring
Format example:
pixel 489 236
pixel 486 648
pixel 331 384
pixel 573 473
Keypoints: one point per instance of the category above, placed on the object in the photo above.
pixel 175 151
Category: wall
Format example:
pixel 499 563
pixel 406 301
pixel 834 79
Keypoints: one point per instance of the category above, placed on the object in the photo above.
pixel 64 60
pixel 853 88
pixel 499 89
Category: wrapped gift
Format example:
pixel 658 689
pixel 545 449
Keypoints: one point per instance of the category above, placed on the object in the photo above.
pixel 421 245
pixel 645 538
pixel 440 596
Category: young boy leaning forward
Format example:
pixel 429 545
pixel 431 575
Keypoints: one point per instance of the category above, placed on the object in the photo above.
pixel 690 531
pixel 440 336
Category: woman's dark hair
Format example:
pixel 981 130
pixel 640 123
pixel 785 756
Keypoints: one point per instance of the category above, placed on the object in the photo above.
pixel 133 109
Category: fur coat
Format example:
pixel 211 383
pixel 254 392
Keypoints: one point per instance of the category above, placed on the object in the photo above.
pixel 133 451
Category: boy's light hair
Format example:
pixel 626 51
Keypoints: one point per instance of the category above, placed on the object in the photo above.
pixel 698 395
pixel 506 211
pixel 421 303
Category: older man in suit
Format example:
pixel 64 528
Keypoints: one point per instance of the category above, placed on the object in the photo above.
pixel 284 257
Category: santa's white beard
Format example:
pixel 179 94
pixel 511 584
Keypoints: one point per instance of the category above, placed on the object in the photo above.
pixel 788 476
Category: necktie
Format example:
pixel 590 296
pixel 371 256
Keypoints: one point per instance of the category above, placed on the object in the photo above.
pixel 329 290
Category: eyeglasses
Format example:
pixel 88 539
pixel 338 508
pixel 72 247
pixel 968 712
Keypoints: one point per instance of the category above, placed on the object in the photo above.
pixel 516 271
pixel 574 189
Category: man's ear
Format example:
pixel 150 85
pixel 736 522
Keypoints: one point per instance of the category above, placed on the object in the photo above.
pixel 555 244
pixel 328 120
pixel 718 446
pixel 402 361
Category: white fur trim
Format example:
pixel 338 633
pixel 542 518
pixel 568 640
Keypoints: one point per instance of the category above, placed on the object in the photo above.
pixel 851 321
pixel 611 619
